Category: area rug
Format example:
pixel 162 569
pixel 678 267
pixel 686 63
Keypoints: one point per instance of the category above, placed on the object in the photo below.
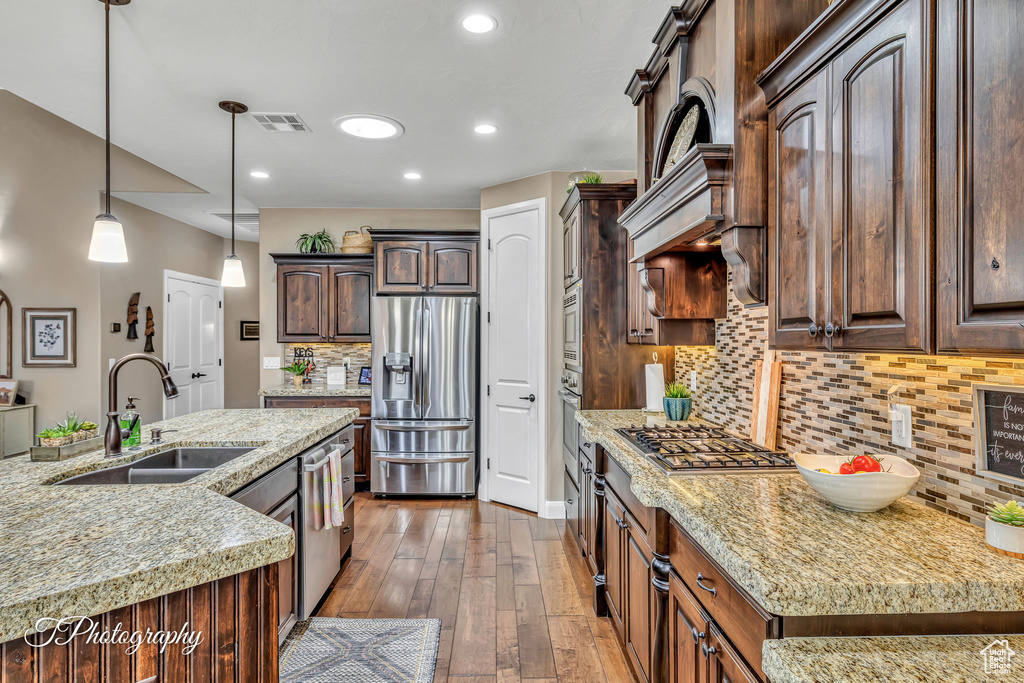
pixel 323 650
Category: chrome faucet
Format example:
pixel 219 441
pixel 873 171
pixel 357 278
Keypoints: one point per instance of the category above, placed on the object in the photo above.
pixel 113 436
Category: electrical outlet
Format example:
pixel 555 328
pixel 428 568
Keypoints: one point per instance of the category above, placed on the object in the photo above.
pixel 693 381
pixel 271 363
pixel 902 429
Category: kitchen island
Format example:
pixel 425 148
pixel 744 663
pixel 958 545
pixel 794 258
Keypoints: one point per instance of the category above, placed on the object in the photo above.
pixel 124 551
pixel 767 549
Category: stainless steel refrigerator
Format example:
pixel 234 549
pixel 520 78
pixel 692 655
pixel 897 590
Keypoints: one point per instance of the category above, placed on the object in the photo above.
pixel 425 388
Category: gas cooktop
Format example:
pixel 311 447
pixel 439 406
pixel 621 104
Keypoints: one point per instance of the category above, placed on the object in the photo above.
pixel 699 450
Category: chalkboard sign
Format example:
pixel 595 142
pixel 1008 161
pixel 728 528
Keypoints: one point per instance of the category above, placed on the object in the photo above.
pixel 999 431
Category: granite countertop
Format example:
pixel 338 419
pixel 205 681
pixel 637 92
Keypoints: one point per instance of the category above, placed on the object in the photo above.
pixel 85 550
pixel 316 389
pixel 796 554
pixel 899 659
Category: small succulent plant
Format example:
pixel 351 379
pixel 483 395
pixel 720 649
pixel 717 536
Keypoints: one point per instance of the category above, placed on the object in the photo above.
pixel 52 433
pixel 677 390
pixel 89 426
pixel 71 424
pixel 317 243
pixel 1011 513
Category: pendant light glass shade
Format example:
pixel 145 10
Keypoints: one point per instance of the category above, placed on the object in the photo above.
pixel 233 275
pixel 107 243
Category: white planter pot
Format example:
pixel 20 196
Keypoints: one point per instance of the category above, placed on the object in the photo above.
pixel 1004 538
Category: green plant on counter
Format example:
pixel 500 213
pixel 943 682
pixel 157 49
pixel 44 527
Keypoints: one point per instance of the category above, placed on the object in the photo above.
pixel 88 426
pixel 53 433
pixel 295 368
pixel 587 179
pixel 677 390
pixel 317 243
pixel 1011 513
pixel 71 424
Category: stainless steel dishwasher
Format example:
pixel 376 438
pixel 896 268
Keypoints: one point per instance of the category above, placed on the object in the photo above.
pixel 321 550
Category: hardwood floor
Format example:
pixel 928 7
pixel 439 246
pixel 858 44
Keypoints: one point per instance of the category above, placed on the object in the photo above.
pixel 511 590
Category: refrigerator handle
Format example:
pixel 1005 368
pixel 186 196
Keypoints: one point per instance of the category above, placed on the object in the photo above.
pixel 424 365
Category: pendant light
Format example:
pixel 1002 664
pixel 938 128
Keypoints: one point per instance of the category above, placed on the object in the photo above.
pixel 107 242
pixel 233 275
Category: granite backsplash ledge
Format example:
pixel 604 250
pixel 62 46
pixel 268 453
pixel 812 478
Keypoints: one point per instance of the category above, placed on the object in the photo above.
pixel 836 403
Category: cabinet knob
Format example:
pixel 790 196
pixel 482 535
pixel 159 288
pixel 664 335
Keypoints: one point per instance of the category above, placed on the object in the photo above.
pixel 814 330
pixel 346 529
pixel 697 635
pixel 831 329
pixel 708 651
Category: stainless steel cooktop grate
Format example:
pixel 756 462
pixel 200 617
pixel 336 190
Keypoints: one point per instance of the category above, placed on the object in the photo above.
pixel 694 449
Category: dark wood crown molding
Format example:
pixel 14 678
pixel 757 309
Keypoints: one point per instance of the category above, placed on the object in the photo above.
pixel 598 191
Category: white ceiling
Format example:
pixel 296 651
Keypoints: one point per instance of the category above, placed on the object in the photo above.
pixel 551 77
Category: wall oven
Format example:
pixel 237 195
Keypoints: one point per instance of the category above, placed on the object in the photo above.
pixel 572 330
pixel 570 431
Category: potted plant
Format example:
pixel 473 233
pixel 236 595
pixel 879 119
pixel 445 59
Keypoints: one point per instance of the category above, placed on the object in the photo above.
pixel 73 427
pixel 53 437
pixel 1004 529
pixel 89 430
pixel 317 243
pixel 583 178
pixel 297 370
pixel 678 401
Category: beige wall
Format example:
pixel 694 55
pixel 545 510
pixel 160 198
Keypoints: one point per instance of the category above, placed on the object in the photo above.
pixel 552 187
pixel 155 243
pixel 279 228
pixel 51 184
pixel 242 358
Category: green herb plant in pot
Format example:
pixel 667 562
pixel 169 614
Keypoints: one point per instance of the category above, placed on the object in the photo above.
pixel 317 243
pixel 678 401
pixel 297 370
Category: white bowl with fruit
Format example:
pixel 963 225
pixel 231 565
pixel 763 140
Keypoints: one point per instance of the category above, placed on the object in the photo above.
pixel 864 483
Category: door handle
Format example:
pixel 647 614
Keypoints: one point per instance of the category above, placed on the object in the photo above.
pixel 197 375
pixel 531 398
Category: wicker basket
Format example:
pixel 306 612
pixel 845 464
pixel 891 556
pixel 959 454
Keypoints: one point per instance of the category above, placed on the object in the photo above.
pixel 357 241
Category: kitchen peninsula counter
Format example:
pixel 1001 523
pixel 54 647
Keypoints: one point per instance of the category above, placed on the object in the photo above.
pixel 85 550
pixel 316 389
pixel 797 555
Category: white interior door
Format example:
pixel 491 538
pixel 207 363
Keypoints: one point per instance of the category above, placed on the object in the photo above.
pixel 513 352
pixel 194 343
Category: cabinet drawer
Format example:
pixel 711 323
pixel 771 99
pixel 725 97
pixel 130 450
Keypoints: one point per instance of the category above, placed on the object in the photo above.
pixel 745 623
pixel 346 528
pixel 572 506
pixel 267 492
pixel 618 480
pixel 588 449
pixel 348 476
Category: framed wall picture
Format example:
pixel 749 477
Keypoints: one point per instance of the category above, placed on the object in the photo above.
pixel 249 330
pixel 8 392
pixel 49 337
pixel 999 431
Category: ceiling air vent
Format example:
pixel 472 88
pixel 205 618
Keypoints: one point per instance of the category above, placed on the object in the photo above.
pixel 280 123
pixel 243 221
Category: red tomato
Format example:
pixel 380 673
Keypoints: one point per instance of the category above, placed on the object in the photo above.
pixel 845 468
pixel 865 463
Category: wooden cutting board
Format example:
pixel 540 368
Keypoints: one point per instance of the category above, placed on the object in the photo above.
pixel 765 418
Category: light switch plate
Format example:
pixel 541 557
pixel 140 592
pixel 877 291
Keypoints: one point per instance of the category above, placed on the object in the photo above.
pixel 902 430
pixel 271 363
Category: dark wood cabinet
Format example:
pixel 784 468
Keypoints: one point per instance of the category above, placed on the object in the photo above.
pixel 571 271
pixel 676 298
pixel 360 426
pixel 323 297
pixel 724 663
pixel 453 267
pixel 614 565
pixel 688 630
pixel 350 289
pixel 850 149
pixel 980 163
pixel 288 572
pixel 301 303
pixel 637 560
pixel 438 262
pixel 799 222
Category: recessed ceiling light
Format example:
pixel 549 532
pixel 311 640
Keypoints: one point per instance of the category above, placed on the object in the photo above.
pixel 369 126
pixel 260 174
pixel 486 129
pixel 479 23
pixel 412 175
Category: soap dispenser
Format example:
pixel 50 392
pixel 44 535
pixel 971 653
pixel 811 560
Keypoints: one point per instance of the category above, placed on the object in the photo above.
pixel 131 421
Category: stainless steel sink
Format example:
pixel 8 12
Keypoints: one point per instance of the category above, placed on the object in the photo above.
pixel 172 466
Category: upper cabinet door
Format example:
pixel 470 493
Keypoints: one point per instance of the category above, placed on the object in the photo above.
pixel 302 303
pixel 571 242
pixel 980 156
pixel 401 267
pixel 799 222
pixel 453 267
pixel 881 175
pixel 351 287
